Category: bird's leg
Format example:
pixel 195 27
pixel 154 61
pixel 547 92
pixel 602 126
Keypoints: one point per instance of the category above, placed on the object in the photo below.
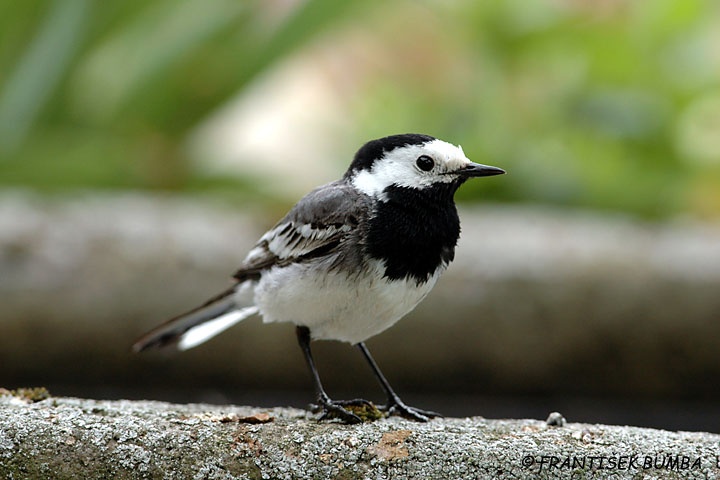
pixel 394 405
pixel 331 408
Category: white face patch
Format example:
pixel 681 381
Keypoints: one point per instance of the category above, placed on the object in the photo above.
pixel 399 167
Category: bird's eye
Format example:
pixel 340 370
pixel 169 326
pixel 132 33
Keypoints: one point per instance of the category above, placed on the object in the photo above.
pixel 425 163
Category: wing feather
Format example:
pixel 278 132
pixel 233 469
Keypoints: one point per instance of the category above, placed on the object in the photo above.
pixel 322 220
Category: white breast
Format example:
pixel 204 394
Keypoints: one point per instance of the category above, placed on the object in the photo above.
pixel 335 305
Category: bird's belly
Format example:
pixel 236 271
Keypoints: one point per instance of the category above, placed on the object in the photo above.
pixel 337 306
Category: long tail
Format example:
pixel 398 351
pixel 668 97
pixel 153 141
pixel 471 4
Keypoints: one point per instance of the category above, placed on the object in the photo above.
pixel 198 325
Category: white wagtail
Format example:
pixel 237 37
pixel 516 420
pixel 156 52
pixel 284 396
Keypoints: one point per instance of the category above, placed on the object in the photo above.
pixel 349 260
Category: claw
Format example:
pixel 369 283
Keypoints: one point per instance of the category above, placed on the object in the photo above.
pixel 396 406
pixel 347 411
pixel 333 410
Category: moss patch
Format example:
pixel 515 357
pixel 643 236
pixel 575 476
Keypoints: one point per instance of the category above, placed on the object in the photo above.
pixel 367 412
pixel 30 395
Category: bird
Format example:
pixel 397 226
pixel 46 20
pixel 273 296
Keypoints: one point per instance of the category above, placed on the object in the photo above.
pixel 348 261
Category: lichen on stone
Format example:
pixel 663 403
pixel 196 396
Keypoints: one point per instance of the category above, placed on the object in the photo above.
pixel 30 395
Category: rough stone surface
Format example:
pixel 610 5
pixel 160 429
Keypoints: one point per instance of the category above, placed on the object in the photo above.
pixel 75 438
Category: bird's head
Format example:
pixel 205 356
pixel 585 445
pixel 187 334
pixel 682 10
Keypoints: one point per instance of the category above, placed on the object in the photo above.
pixel 412 161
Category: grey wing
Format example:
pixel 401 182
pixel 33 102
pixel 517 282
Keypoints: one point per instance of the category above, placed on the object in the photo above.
pixel 316 226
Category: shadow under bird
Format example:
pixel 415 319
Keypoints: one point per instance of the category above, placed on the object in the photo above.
pixel 349 260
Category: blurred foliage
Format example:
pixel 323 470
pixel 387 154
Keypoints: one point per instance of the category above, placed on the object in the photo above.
pixel 609 105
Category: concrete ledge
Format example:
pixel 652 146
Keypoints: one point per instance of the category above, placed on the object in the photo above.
pixel 537 300
pixel 76 438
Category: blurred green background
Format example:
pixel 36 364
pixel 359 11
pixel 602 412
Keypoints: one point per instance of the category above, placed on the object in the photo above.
pixel 611 105
pixel 604 109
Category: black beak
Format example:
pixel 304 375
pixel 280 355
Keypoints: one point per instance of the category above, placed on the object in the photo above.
pixel 478 170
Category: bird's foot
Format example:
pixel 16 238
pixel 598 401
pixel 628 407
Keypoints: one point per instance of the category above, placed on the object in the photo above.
pixel 347 411
pixel 395 406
